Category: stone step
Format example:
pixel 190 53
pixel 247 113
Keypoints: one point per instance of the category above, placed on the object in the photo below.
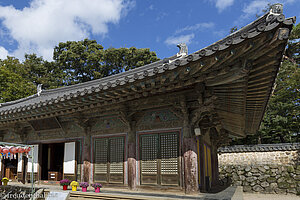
pixel 108 196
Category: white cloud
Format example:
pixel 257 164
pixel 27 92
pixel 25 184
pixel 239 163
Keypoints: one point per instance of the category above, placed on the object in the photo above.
pixel 256 7
pixel 174 40
pixel 196 27
pixel 3 53
pixel 45 23
pixel 151 7
pixel 221 5
pixel 220 33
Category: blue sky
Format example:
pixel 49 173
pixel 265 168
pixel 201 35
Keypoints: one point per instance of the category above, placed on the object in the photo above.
pixel 36 26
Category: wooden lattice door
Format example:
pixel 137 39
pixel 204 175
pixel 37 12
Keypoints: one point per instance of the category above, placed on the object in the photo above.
pixel 109 160
pixel 149 159
pixel 159 159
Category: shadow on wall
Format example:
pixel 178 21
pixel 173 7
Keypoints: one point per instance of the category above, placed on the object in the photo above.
pixel 223 184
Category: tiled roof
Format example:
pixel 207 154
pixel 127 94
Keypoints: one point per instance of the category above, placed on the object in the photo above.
pixel 260 148
pixel 81 89
pixel 243 98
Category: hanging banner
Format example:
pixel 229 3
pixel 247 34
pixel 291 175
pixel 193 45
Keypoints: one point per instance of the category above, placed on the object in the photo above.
pixel 69 158
pixel 20 163
pixel 34 151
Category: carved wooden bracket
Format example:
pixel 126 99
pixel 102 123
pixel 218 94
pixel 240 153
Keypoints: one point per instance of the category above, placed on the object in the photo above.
pixel 128 118
pixel 84 123
pixel 219 138
pixel 20 131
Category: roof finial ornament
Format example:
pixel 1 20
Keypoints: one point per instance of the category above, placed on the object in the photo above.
pixel 183 49
pixel 39 89
pixel 276 9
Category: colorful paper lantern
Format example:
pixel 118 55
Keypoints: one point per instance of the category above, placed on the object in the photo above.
pixel 13 150
pixel 21 150
pixel 5 150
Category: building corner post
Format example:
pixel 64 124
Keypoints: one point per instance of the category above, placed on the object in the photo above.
pixel 190 157
pixel 132 156
pixel 87 157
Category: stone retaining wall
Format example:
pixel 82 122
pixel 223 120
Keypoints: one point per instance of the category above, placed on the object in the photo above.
pixel 262 168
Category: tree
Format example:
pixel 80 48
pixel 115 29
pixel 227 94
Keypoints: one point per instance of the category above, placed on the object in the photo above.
pixel 80 60
pixel 43 72
pixel 87 60
pixel 13 82
pixel 74 62
pixel 124 59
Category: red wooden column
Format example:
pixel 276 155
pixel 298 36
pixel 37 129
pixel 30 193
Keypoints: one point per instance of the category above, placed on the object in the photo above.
pixel 190 165
pixel 132 156
pixel 189 153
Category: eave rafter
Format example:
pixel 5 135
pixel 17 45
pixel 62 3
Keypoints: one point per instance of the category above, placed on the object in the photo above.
pixel 222 67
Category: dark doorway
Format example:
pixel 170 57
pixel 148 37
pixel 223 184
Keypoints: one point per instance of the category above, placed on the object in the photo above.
pixel 10 168
pixel 52 161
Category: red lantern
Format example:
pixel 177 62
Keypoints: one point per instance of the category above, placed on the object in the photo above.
pixel 27 149
pixel 13 150
pixel 0 149
pixel 21 150
pixel 5 150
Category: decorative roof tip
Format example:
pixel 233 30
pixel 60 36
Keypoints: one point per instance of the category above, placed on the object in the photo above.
pixel 276 9
pixel 39 89
pixel 183 49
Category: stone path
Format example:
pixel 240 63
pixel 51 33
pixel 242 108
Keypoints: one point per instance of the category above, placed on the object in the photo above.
pixel 255 196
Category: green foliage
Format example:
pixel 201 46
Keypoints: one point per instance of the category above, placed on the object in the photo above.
pixel 293 48
pixel 74 62
pixel 233 29
pixel 80 60
pixel 124 59
pixel 43 72
pixel 86 60
pixel 13 81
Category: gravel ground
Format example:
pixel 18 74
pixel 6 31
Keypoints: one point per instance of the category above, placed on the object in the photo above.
pixel 255 196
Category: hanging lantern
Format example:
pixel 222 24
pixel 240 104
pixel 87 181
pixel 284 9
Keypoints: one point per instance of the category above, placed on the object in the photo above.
pixel 5 150
pixel 27 149
pixel 21 150
pixel 13 150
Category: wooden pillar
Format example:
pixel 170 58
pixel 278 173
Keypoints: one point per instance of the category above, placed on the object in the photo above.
pixel 24 168
pixel 215 166
pixel 86 157
pixel 218 138
pixel 201 163
pixel 189 153
pixel 190 165
pixel 132 156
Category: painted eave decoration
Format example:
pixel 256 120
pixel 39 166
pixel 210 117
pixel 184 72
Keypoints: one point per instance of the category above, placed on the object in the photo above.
pixel 240 69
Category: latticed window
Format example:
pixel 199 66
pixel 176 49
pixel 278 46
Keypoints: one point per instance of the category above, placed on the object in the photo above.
pixel 109 159
pixel 159 158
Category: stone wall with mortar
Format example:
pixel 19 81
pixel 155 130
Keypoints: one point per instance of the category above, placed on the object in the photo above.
pixel 262 168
